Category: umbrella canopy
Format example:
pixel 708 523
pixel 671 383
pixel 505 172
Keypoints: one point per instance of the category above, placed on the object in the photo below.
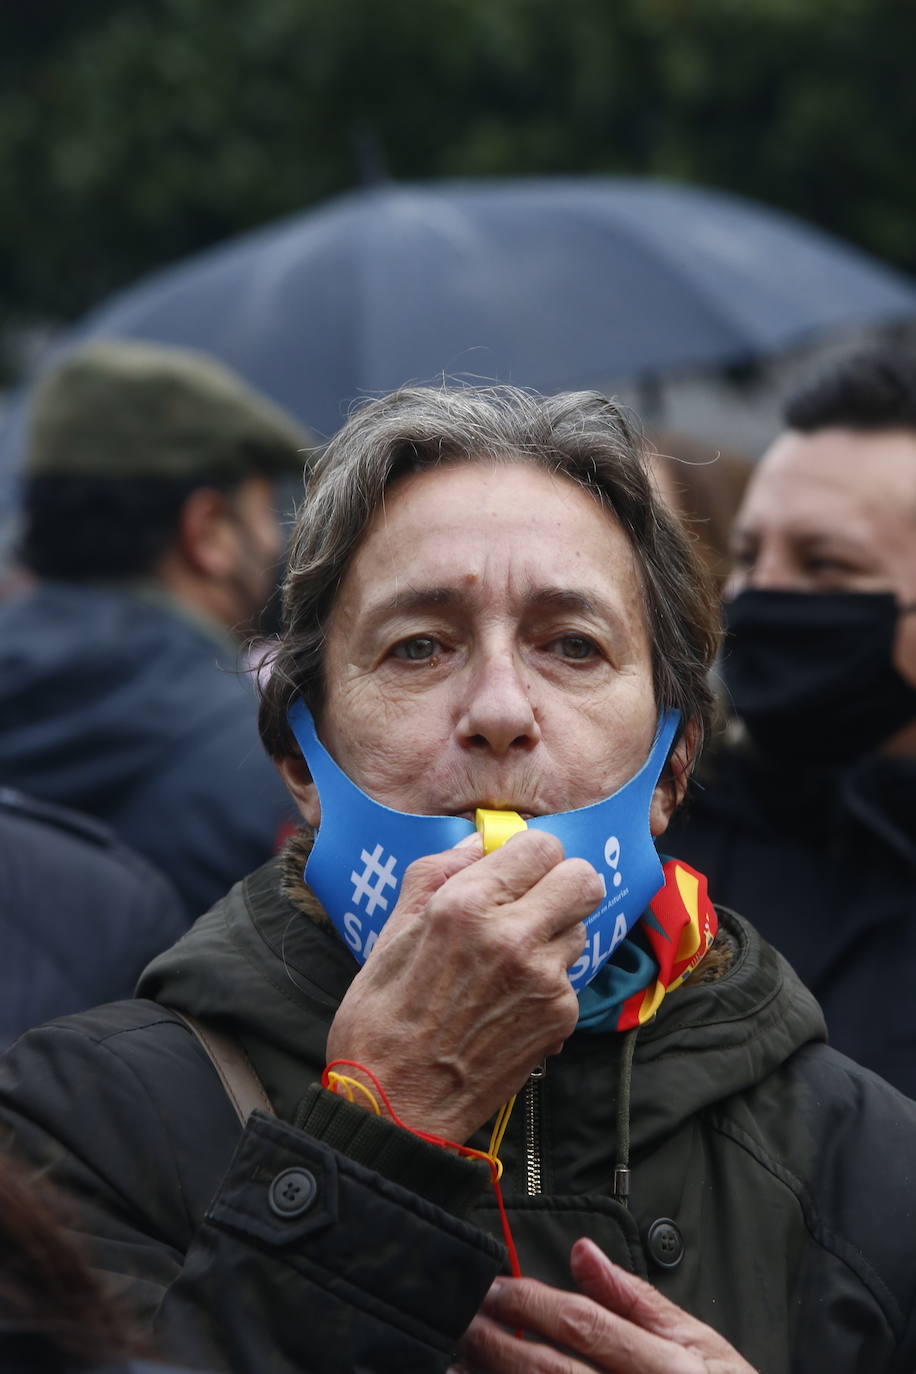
pixel 548 283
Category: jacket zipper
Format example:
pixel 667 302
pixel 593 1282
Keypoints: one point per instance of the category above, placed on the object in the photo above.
pixel 533 1128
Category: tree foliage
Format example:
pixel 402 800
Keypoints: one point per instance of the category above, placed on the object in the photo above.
pixel 133 132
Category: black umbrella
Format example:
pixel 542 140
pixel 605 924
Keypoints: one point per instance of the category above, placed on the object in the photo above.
pixel 548 283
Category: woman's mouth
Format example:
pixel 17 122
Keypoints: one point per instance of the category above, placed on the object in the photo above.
pixel 471 813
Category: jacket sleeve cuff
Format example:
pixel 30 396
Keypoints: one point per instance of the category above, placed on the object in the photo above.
pixel 448 1180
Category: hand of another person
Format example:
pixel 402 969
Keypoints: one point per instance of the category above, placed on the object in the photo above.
pixel 622 1326
pixel 467 988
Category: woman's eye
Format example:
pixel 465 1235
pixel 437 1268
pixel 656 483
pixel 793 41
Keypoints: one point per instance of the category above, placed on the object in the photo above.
pixel 416 649
pixel 575 647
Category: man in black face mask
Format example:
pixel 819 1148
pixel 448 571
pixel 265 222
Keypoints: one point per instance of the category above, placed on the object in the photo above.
pixel 807 821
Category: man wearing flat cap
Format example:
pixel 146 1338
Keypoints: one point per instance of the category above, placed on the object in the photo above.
pixel 151 529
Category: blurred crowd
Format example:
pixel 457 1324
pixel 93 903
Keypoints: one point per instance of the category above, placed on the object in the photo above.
pixel 141 782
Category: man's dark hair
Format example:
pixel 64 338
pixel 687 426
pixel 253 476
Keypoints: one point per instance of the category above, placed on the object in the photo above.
pixel 872 389
pixel 86 528
pixel 120 432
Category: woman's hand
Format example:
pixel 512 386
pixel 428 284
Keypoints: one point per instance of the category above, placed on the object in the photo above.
pixel 620 1325
pixel 467 988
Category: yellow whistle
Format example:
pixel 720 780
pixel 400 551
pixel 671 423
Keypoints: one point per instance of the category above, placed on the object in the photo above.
pixel 495 827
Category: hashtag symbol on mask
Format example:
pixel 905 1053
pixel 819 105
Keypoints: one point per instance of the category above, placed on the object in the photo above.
pixel 369 885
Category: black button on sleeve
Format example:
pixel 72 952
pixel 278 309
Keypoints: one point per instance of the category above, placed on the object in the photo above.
pixel 292 1192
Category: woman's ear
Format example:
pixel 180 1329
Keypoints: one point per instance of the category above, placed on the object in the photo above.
pixel 671 786
pixel 298 780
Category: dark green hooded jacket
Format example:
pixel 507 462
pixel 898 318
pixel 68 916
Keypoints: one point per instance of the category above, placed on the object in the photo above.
pixel 772 1181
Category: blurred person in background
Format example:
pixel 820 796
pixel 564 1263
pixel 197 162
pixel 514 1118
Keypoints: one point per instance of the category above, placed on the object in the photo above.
pixel 488 609
pixel 805 819
pixel 81 914
pixel 55 1316
pixel 152 529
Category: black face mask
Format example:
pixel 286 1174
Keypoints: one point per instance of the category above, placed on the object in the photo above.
pixel 811 674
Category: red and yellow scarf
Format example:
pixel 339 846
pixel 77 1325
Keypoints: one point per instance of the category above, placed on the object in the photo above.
pixel 662 949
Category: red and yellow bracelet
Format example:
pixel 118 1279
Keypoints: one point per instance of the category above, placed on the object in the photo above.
pixel 345 1085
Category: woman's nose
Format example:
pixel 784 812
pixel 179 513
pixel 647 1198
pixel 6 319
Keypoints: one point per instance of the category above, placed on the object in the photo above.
pixel 498 711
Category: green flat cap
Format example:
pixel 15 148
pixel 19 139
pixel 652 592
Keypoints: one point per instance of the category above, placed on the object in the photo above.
pixel 118 408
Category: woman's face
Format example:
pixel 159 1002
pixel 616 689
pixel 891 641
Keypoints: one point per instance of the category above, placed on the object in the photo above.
pixel 488 648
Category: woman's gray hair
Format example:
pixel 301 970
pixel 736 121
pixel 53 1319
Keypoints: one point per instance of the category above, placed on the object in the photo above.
pixel 580 435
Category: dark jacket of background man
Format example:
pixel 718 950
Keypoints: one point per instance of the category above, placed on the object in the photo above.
pixel 80 914
pixel 153 534
pixel 806 823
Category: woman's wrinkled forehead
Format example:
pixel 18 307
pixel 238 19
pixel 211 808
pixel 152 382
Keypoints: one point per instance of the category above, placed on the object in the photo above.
pixel 491 469
pixel 487 534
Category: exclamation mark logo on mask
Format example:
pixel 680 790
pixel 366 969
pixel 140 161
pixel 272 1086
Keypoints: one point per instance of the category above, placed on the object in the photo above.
pixel 612 858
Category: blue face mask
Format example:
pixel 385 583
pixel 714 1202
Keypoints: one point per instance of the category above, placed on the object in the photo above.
pixel 362 848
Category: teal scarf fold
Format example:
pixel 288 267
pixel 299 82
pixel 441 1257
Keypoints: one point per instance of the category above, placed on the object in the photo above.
pixel 629 970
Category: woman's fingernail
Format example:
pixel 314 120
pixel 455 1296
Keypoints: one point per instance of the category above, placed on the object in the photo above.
pixel 468 840
pixel 496 1291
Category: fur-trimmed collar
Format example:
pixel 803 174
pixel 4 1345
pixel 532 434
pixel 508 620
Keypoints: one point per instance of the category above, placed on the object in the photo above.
pixel 294 857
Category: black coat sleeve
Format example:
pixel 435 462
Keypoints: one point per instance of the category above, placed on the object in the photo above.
pixel 121 1109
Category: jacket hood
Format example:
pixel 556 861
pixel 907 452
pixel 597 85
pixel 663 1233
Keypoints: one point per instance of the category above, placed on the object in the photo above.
pixel 265 970
pixel 733 1033
pixel 95 683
